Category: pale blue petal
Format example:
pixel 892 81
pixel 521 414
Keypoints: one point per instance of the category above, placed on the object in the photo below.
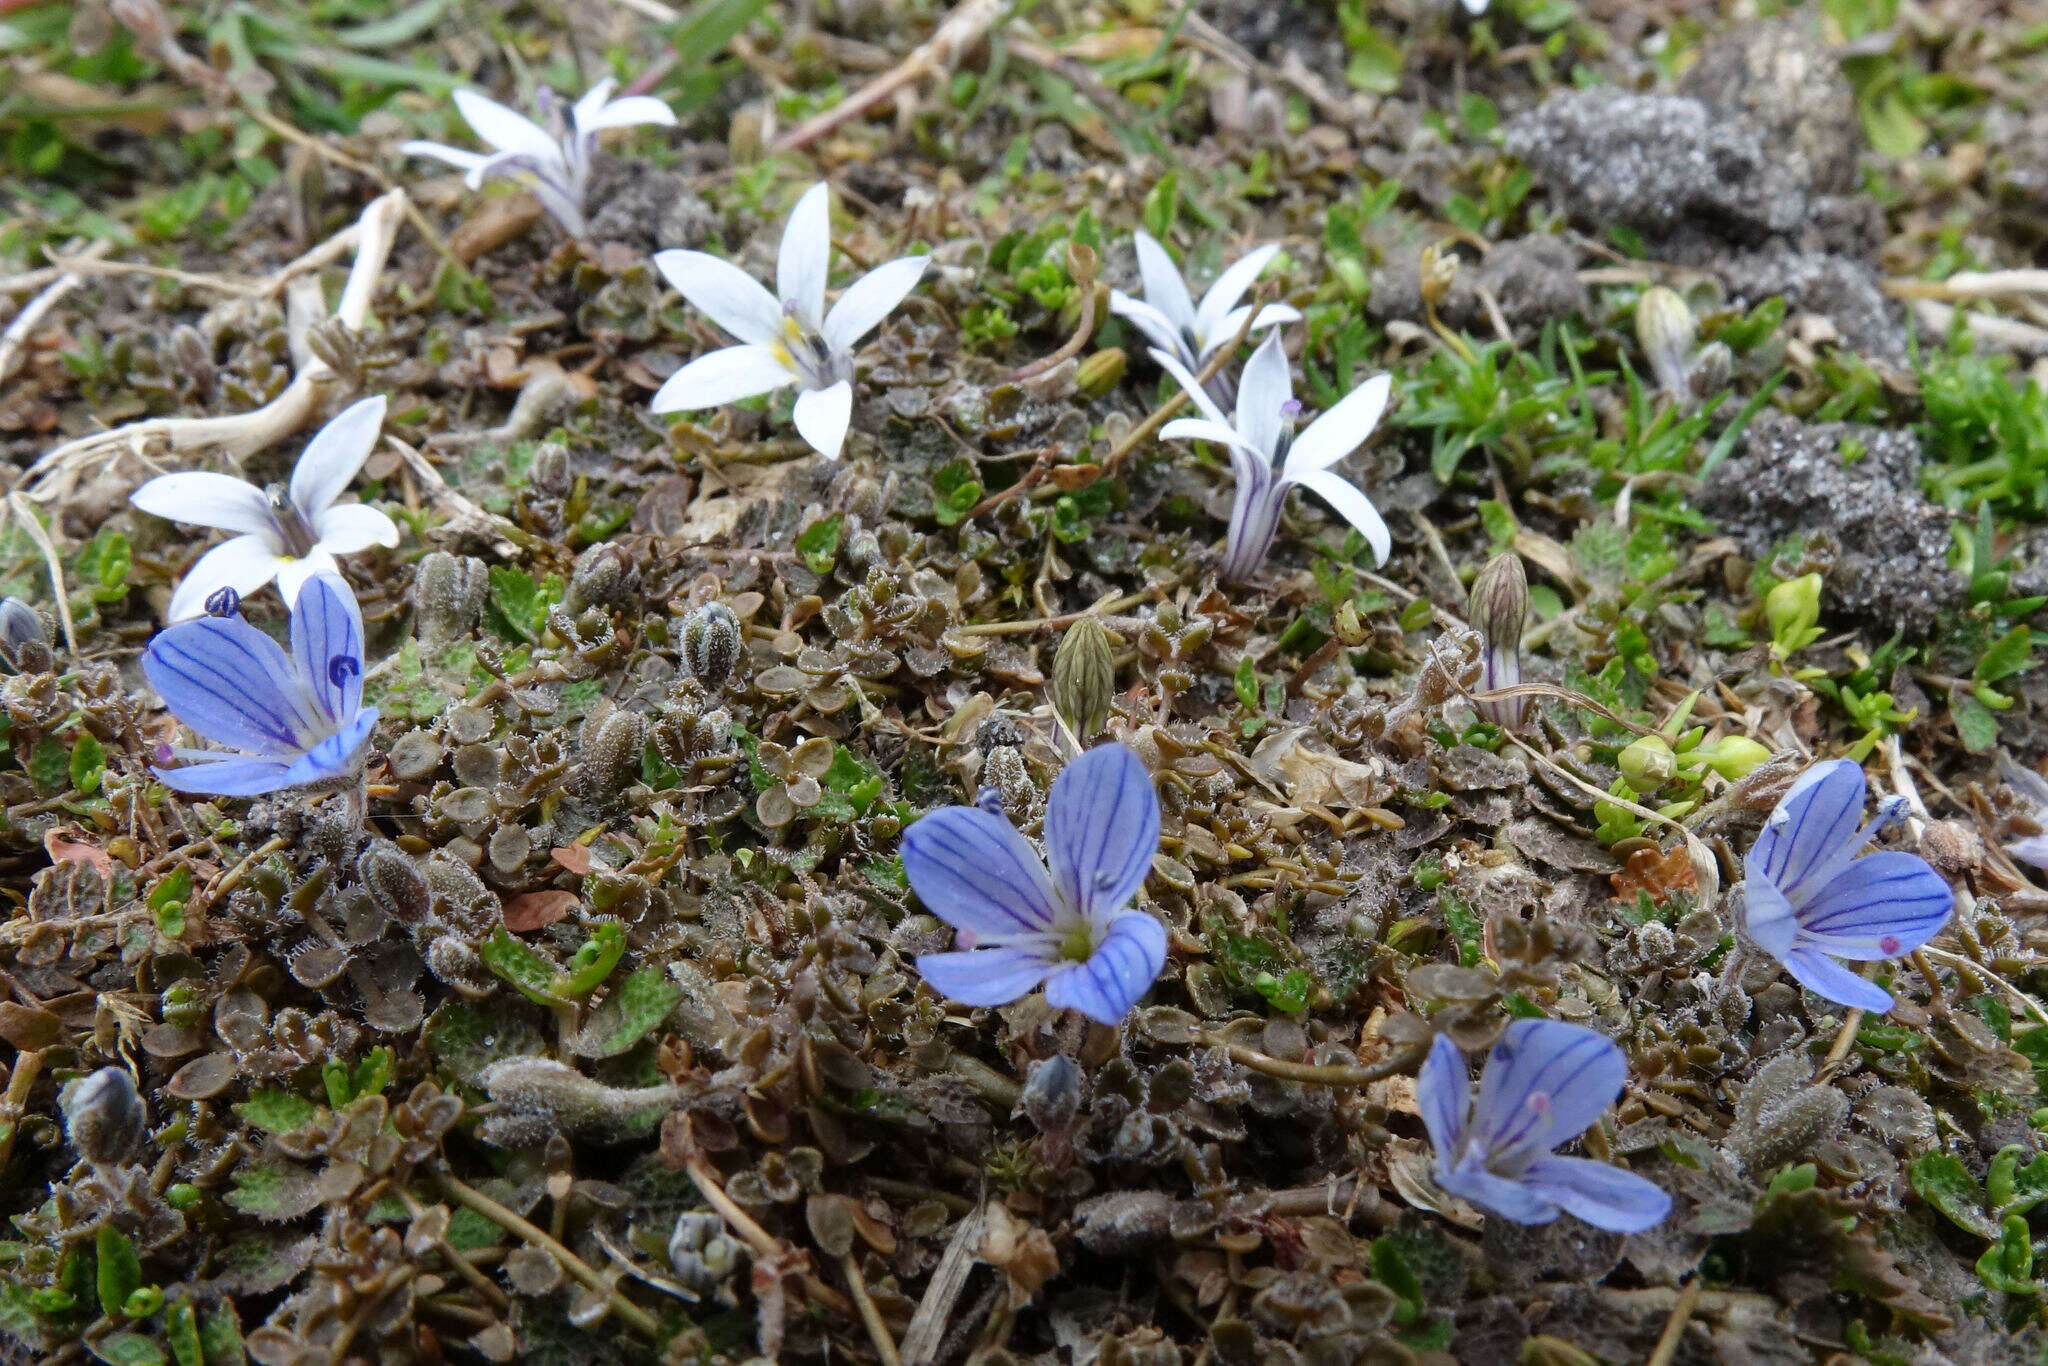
pixel 1830 981
pixel 1443 1092
pixel 228 776
pixel 1101 830
pixel 233 685
pixel 337 754
pixel 1604 1196
pixel 1880 906
pixel 1123 968
pixel 327 646
pixel 1500 1195
pixel 1768 919
pixel 983 977
pixel 2033 849
pixel 1812 831
pixel 975 872
pixel 1544 1083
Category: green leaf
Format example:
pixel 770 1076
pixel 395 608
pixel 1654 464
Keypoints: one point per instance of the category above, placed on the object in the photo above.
pixel 181 1330
pixel 89 762
pixel 1479 113
pixel 635 1008
pixel 1375 64
pixel 1162 205
pixel 955 491
pixel 594 961
pixel 1247 683
pixel 1976 725
pixel 1390 1268
pixel 1946 1184
pixel 128 1349
pixel 2009 654
pixel 1894 130
pixel 120 1269
pixel 277 1112
pixel 50 765
pixel 273 1193
pixel 525 968
pixel 220 1335
pixel 818 543
pixel 2008 1264
pixel 1792 1180
pixel 520 602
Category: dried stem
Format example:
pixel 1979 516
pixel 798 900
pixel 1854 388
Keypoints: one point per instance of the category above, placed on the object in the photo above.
pixel 964 27
pixel 885 1346
pixel 15 339
pixel 768 1249
pixel 582 1271
pixel 1674 1328
pixel 1312 1074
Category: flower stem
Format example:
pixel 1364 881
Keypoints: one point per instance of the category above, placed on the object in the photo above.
pixel 471 1198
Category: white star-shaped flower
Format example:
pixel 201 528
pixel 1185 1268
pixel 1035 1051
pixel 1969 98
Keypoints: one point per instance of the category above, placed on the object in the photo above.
pixel 1189 332
pixel 288 534
pixel 553 162
pixel 790 340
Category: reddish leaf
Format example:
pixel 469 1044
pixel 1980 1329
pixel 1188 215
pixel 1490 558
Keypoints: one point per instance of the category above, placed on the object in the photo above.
pixel 531 910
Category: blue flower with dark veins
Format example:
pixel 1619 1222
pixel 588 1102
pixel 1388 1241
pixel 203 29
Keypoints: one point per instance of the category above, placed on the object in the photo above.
pixel 1544 1084
pixel 1062 922
pixel 1808 898
pixel 289 720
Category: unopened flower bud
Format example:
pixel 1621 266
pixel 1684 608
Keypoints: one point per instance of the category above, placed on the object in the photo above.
pixel 604 576
pixel 104 1116
pixel 1052 1094
pixel 1733 756
pixel 1711 368
pixel 24 637
pixel 1793 611
pixel 1500 601
pixel 1084 677
pixel 1439 269
pixel 711 644
pixel 1668 332
pixel 1648 763
pixel 549 474
pixel 192 354
pixel 1101 372
pixel 395 881
pixel 702 1254
pixel 448 594
pixel 609 749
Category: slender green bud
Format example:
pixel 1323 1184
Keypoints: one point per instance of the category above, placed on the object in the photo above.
pixel 1084 677
pixel 1500 601
pixel 1668 333
pixel 1101 372
pixel 1648 764
pixel 1733 756
pixel 1793 611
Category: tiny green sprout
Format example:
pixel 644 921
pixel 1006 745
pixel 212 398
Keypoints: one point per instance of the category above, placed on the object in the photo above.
pixel 1733 756
pixel 1793 611
pixel 52 1302
pixel 144 1302
pixel 181 1195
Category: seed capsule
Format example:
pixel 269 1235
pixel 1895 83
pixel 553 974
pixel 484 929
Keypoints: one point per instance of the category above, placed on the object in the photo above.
pixel 1667 332
pixel 1084 677
pixel 448 596
pixel 1648 764
pixel 711 644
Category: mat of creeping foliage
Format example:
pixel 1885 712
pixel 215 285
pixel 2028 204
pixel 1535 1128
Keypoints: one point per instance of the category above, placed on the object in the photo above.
pixel 577 1015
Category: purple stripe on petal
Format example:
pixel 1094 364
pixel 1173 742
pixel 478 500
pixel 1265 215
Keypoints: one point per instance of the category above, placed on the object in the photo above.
pixel 1830 981
pixel 1811 830
pixel 1101 830
pixel 1500 1195
pixel 231 684
pixel 983 977
pixel 1604 1196
pixel 230 777
pixel 1123 968
pixel 327 646
pixel 335 756
pixel 1544 1083
pixel 1443 1092
pixel 975 872
pixel 1879 906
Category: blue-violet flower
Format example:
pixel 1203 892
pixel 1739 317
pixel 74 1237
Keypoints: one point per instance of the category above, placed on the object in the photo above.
pixel 290 720
pixel 1545 1082
pixel 1020 927
pixel 1808 899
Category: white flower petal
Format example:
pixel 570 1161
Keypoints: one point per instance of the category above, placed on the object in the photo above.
pixel 1164 289
pixel 345 528
pixel 1229 288
pixel 454 156
pixel 724 293
pixel 723 376
pixel 1357 509
pixel 1232 323
pixel 244 564
pixel 1191 386
pixel 1201 429
pixel 1158 329
pixel 1341 430
pixel 630 112
pixel 1263 395
pixel 335 453
pixel 822 416
pixel 870 299
pixel 199 498
pixel 583 113
pixel 292 574
pixel 805 257
pixel 505 130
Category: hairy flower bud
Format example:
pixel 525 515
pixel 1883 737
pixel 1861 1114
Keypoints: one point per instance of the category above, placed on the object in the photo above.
pixel 1667 332
pixel 609 749
pixel 1648 763
pixel 395 882
pixel 604 576
pixel 104 1116
pixel 1439 268
pixel 24 637
pixel 703 1255
pixel 448 594
pixel 1711 369
pixel 1499 608
pixel 711 644
pixel 1084 678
